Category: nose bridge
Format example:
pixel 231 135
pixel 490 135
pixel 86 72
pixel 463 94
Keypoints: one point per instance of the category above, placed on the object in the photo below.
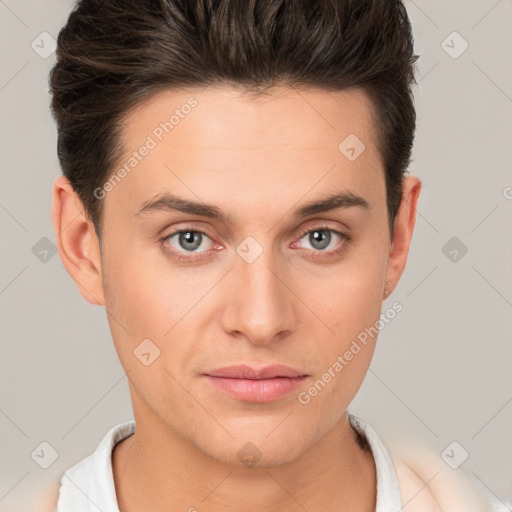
pixel 259 304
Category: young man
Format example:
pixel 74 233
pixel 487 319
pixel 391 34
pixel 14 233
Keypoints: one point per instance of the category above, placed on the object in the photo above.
pixel 235 196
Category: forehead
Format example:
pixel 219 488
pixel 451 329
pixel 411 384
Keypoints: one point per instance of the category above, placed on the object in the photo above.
pixel 229 118
pixel 212 142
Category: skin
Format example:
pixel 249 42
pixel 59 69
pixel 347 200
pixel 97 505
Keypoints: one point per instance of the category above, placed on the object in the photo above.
pixel 258 160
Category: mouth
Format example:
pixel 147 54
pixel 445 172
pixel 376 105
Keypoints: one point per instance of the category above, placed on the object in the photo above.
pixel 250 384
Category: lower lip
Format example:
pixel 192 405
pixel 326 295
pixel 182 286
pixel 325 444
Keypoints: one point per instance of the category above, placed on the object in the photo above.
pixel 261 390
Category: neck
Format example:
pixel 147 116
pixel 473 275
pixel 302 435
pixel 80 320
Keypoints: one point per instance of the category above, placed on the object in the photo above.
pixel 157 469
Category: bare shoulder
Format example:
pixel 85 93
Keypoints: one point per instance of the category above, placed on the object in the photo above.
pixel 45 499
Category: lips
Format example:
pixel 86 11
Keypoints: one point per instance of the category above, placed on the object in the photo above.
pixel 247 372
pixel 249 384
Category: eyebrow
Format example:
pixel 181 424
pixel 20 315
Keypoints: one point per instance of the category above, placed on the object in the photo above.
pixel 169 202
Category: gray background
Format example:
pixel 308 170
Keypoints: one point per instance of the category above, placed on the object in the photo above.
pixel 442 368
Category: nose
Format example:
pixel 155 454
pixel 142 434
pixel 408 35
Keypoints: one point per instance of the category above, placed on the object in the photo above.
pixel 260 306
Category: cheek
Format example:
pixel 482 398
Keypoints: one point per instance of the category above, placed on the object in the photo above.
pixel 132 297
pixel 348 300
pixel 344 325
pixel 142 295
pixel 133 305
pixel 148 299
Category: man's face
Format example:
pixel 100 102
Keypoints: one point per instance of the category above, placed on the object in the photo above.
pixel 263 285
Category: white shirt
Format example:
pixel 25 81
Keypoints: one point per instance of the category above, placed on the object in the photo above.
pixel 88 486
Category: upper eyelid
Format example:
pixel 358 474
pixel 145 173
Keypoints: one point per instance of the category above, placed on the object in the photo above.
pixel 302 232
pixel 305 231
pixel 312 225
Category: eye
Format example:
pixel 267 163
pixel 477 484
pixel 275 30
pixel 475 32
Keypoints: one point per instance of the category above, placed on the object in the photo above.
pixel 186 241
pixel 322 238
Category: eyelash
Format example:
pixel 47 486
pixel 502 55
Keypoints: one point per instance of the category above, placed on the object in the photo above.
pixel 316 254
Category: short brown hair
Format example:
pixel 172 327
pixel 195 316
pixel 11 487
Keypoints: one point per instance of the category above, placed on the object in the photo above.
pixel 113 54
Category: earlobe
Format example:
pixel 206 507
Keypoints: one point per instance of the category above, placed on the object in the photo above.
pixel 77 242
pixel 402 234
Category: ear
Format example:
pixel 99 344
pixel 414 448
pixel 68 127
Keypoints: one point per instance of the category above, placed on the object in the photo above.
pixel 402 233
pixel 77 242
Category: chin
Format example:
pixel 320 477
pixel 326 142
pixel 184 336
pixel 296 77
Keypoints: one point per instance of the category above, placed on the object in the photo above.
pixel 253 455
pixel 258 447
